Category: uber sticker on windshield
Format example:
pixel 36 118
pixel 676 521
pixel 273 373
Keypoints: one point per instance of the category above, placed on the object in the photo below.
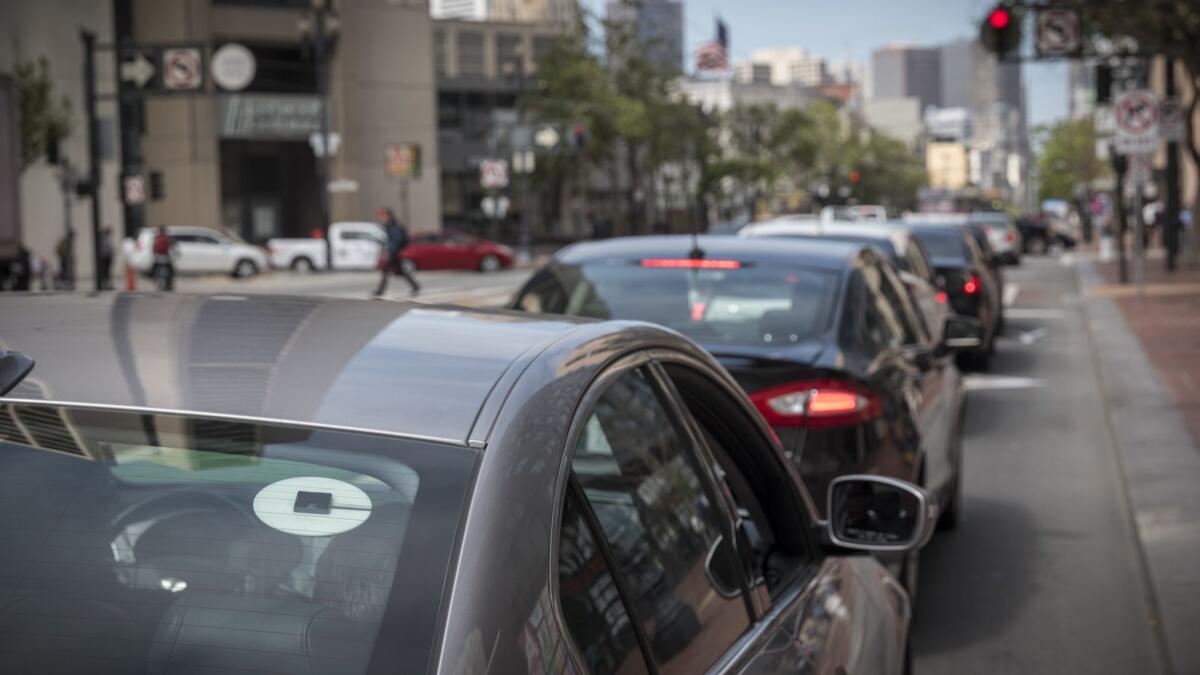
pixel 312 506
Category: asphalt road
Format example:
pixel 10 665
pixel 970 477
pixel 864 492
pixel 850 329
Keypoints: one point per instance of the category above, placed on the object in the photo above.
pixel 474 289
pixel 1044 574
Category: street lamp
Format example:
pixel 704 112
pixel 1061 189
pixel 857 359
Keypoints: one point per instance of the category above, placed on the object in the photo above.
pixel 320 30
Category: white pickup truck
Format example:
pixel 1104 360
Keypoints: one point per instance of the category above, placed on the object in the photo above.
pixel 356 246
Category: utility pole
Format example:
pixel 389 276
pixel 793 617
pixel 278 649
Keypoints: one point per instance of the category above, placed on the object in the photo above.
pixel 320 12
pixel 93 140
pixel 1119 164
pixel 1171 217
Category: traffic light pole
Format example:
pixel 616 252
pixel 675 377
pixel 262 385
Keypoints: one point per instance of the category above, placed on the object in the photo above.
pixel 93 141
pixel 1171 217
pixel 322 94
pixel 1119 165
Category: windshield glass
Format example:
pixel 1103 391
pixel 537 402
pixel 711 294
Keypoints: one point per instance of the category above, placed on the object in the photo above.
pixel 752 304
pixel 197 544
pixel 947 243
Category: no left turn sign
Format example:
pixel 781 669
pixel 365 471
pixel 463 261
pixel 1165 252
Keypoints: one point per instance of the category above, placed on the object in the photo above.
pixel 181 69
pixel 1057 32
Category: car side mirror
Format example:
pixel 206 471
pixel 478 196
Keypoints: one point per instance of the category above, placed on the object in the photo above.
pixel 961 332
pixel 875 513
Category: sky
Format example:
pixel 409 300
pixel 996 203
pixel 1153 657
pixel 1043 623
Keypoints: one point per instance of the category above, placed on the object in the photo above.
pixel 838 29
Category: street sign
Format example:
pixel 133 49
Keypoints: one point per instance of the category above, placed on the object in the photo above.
pixel 134 190
pixel 546 137
pixel 494 207
pixel 318 144
pixel 1057 32
pixel 137 69
pixel 1136 115
pixel 233 67
pixel 493 174
pixel 1170 120
pixel 181 69
pixel 523 161
pixel 1141 168
pixel 1102 118
pixel 403 160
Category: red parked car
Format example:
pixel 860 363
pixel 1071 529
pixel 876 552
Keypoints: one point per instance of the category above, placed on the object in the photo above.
pixel 452 250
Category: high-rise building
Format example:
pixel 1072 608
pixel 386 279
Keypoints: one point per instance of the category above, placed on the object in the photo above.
pixel 519 11
pixel 787 66
pixel 657 23
pixel 904 71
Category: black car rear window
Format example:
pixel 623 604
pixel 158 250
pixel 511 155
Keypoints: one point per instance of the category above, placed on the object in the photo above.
pixel 158 543
pixel 750 303
pixel 944 243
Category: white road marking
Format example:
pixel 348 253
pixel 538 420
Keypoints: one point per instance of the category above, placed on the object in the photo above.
pixel 1010 293
pixel 1031 336
pixel 982 382
pixel 1033 313
pixel 1067 259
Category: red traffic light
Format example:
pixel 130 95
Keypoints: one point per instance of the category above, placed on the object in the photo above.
pixel 999 18
pixel 855 176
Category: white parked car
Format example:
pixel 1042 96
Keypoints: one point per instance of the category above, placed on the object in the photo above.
pixel 356 246
pixel 199 250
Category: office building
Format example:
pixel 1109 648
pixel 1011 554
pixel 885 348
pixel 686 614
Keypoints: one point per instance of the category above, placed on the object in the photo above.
pixel 656 23
pixel 475 10
pixel 903 71
pixel 786 66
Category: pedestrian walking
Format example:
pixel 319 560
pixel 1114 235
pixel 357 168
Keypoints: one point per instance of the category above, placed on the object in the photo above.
pixel 397 239
pixel 163 269
pixel 106 259
pixel 66 260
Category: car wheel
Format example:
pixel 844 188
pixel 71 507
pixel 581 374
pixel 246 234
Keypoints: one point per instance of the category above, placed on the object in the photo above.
pixel 489 263
pixel 302 264
pixel 245 269
pixel 1036 246
pixel 408 265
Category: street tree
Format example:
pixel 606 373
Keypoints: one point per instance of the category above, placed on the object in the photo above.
pixel 1068 158
pixel 45 118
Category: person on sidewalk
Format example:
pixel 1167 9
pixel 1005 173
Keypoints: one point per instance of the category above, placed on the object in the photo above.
pixel 106 259
pixel 397 239
pixel 163 269
pixel 66 261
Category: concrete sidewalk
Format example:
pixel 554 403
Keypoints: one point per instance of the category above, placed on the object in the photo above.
pixel 1148 353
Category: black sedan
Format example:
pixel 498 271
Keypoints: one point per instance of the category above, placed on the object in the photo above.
pixel 280 484
pixel 821 334
pixel 970 281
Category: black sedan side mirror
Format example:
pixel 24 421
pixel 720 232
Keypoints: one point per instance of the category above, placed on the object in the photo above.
pixel 875 513
pixel 962 332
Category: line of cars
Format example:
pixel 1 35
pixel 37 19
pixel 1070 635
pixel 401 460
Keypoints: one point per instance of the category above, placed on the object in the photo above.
pixel 353 245
pixel 251 490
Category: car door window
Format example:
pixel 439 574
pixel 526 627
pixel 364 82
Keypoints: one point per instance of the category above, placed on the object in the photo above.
pixel 660 523
pixel 591 602
pixel 881 323
pixel 898 296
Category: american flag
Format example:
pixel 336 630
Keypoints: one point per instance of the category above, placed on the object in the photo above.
pixel 711 57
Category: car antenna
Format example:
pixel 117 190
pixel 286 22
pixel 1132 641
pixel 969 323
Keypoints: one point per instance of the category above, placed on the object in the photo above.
pixel 696 253
pixel 14 366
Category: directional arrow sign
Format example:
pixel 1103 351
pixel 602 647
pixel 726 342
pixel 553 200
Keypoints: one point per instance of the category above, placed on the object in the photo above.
pixel 139 70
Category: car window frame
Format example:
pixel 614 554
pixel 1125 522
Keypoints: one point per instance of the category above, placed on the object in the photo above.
pixel 567 483
pixel 783 604
pixel 908 306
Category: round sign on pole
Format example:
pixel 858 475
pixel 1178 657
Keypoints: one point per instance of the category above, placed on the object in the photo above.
pixel 233 67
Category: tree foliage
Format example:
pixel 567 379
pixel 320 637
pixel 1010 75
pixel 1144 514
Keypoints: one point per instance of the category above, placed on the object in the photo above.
pixel 45 118
pixel 1068 158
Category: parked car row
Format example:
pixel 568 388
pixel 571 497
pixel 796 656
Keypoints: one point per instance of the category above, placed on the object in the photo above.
pixel 352 485
pixel 353 245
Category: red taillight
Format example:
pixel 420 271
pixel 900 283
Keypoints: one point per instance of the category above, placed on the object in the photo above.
pixel 941 297
pixel 1009 236
pixel 691 263
pixel 833 403
pixel 971 286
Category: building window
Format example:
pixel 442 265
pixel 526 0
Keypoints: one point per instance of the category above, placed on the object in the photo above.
pixel 509 50
pixel 470 54
pixel 439 53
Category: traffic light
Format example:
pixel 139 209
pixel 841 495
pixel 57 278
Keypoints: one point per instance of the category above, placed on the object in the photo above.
pixel 855 176
pixel 1001 30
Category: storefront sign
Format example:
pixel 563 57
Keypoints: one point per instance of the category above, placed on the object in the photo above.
pixel 268 117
